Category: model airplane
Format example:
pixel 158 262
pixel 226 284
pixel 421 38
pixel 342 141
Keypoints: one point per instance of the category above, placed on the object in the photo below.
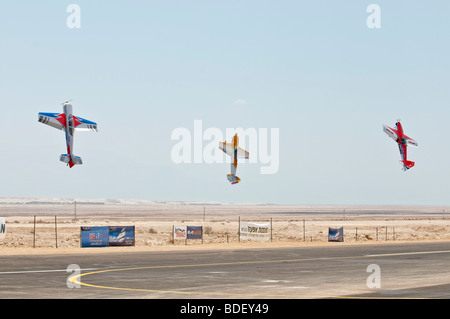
pixel 403 141
pixel 69 124
pixel 233 150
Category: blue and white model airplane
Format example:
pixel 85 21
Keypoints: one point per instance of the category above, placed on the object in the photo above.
pixel 69 123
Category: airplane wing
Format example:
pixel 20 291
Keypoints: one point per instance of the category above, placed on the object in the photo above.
pixel 411 142
pixel 81 124
pixel 56 120
pixel 227 148
pixel 242 153
pixel 390 132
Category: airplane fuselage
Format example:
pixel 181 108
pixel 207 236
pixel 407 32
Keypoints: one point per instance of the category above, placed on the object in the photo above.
pixel 67 121
pixel 69 128
pixel 236 145
pixel 401 135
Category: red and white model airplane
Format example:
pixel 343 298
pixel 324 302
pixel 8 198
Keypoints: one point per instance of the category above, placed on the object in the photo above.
pixel 403 141
pixel 232 149
pixel 68 123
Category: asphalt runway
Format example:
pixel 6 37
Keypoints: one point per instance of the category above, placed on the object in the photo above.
pixel 416 270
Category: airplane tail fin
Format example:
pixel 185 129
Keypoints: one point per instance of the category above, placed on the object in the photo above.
pixel 407 164
pixel 233 179
pixel 71 160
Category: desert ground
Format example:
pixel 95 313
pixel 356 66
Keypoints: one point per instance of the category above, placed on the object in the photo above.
pixel 36 225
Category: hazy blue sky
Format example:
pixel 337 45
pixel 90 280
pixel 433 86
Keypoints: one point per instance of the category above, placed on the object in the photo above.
pixel 312 69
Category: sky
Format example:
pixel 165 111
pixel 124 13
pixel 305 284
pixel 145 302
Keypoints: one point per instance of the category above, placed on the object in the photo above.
pixel 313 70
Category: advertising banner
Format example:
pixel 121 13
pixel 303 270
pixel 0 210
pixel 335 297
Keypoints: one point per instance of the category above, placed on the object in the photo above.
pixel 2 228
pixel 94 236
pixel 179 232
pixel 254 231
pixel 121 236
pixel 336 234
pixel 194 232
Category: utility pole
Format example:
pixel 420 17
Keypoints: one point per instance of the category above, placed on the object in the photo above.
pixel 75 211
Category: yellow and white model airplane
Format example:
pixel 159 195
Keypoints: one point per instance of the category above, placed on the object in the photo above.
pixel 233 150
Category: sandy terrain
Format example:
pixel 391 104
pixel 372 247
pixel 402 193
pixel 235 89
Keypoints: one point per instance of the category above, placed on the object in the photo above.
pixel 31 226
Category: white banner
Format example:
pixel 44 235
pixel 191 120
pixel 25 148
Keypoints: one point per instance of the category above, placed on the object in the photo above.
pixel 179 232
pixel 2 228
pixel 255 231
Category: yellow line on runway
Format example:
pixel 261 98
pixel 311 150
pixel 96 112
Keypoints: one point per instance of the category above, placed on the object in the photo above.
pixel 75 279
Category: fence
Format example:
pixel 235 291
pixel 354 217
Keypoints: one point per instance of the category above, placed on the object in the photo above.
pixel 57 232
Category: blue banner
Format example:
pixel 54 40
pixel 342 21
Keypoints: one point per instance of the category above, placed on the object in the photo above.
pixel 121 236
pixel 194 232
pixel 336 234
pixel 94 236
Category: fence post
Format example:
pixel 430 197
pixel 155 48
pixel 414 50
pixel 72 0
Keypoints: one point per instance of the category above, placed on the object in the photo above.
pixel 270 229
pixel 239 229
pixel 34 233
pixel 304 235
pixel 56 233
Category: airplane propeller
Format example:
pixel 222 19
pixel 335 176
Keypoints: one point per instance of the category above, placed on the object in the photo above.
pixel 67 101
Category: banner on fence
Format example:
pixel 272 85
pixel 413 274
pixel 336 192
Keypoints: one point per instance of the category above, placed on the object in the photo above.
pixel 255 231
pixel 121 236
pixel 2 228
pixel 194 232
pixel 179 232
pixel 94 236
pixel 336 234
